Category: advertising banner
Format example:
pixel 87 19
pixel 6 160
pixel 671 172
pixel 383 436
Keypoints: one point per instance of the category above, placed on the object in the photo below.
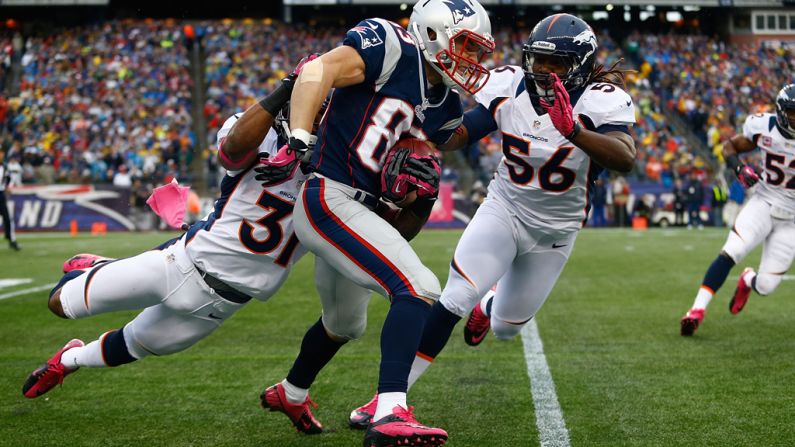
pixel 56 207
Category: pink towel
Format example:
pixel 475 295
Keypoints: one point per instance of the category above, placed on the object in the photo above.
pixel 168 202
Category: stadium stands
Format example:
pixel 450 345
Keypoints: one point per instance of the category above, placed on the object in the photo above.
pixel 94 98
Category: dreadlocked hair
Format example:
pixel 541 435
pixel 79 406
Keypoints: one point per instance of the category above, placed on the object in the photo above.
pixel 611 75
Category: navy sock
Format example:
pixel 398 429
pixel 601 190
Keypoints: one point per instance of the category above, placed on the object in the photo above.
pixel 114 349
pixel 400 338
pixel 717 272
pixel 488 306
pixel 317 349
pixel 65 279
pixel 438 328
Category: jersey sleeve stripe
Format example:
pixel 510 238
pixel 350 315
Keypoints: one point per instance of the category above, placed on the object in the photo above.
pixel 392 53
pixel 353 246
pixel 605 128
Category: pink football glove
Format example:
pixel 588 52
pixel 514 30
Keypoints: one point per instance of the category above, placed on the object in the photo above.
pixel 406 171
pixel 302 62
pixel 747 176
pixel 561 111
pixel 277 169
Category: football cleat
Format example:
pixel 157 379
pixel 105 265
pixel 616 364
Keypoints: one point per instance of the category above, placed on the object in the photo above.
pixel 361 417
pixel 402 429
pixel 741 293
pixel 83 261
pixel 691 321
pixel 273 399
pixel 478 323
pixel 50 374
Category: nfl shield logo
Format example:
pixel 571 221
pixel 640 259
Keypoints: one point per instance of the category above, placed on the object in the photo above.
pixel 536 124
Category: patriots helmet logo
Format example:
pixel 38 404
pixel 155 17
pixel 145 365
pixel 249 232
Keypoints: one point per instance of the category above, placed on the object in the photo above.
pixel 460 9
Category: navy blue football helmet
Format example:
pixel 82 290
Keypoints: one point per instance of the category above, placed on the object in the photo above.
pixel 282 123
pixel 564 36
pixel 785 101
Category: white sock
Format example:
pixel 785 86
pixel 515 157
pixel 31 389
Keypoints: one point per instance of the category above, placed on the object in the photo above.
pixel 89 355
pixel 749 278
pixel 702 298
pixel 388 401
pixel 294 394
pixel 418 368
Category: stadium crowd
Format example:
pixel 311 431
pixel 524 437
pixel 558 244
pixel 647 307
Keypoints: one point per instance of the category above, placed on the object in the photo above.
pixel 112 102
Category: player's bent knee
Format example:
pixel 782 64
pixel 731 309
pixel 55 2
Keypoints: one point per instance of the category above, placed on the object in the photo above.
pixel 505 331
pixel 343 331
pixel 766 283
pixel 54 304
pixel 427 288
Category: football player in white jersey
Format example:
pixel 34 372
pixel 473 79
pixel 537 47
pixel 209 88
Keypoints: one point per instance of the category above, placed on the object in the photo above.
pixel 562 119
pixel 190 285
pixel 768 217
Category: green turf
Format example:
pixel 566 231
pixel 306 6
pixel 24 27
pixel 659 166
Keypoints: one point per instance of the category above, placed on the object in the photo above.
pixel 610 330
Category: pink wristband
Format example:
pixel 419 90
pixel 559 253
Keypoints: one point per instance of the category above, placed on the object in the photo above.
pixel 230 164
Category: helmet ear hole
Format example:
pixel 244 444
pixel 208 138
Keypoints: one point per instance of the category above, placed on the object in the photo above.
pixel 431 34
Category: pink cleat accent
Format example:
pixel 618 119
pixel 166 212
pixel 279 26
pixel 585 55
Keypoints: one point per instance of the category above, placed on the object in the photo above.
pixel 361 417
pixel 402 429
pixel 50 374
pixel 83 261
pixel 300 415
pixel 741 293
pixel 691 321
pixel 478 323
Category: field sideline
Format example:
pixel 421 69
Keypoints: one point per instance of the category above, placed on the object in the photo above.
pixel 623 375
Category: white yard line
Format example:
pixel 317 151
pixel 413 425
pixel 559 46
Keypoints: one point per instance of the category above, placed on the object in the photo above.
pixel 27 291
pixel 552 429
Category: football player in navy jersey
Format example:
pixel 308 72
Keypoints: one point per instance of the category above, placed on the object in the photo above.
pixel 562 119
pixel 389 83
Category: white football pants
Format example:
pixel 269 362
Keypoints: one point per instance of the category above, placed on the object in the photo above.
pixel 358 243
pixel 755 225
pixel 525 263
pixel 179 307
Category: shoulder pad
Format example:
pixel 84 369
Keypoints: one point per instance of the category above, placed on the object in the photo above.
pixel 756 124
pixel 367 34
pixel 606 103
pixel 503 83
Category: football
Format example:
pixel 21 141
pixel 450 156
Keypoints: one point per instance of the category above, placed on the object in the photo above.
pixel 397 185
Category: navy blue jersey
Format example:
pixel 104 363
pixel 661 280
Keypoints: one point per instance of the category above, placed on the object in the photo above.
pixel 395 101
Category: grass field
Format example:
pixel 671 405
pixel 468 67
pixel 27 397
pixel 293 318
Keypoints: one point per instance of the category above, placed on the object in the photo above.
pixel 610 330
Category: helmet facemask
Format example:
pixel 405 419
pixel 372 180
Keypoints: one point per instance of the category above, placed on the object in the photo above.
pixel 571 75
pixel 454 37
pixel 785 111
pixel 282 123
pixel 460 64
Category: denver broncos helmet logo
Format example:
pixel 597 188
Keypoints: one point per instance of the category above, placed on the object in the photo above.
pixel 460 9
pixel 586 37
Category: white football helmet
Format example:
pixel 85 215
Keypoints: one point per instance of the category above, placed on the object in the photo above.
pixel 455 37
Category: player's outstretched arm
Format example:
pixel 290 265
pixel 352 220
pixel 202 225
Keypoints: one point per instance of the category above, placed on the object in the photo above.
pixel 238 149
pixel 340 67
pixel 459 140
pixel 612 150
pixel 737 145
